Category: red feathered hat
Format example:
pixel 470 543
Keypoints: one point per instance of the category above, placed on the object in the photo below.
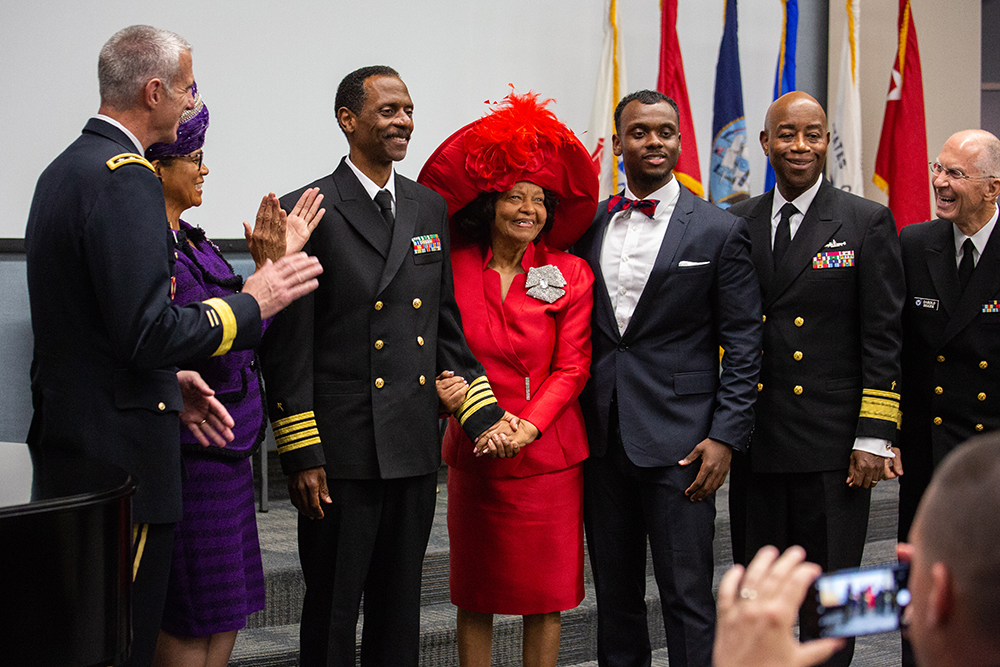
pixel 520 140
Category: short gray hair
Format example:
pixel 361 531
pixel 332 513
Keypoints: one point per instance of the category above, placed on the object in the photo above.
pixel 132 57
pixel 988 160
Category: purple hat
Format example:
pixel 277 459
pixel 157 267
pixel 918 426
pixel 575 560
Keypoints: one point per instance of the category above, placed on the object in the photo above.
pixel 190 132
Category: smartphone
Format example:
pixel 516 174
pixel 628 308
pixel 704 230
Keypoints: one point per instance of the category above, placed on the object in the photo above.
pixel 857 601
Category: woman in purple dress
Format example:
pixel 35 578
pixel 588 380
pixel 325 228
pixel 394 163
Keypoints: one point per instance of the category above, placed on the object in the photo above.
pixel 216 577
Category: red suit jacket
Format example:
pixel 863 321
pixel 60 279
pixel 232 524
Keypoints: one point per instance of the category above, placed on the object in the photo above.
pixel 529 348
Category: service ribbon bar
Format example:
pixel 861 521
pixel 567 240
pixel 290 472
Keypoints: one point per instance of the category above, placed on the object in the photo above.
pixel 834 260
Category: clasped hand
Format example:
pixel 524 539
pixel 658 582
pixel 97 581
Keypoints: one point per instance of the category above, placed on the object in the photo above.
pixel 506 438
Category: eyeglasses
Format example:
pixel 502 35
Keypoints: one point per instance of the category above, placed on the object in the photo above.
pixel 197 158
pixel 952 174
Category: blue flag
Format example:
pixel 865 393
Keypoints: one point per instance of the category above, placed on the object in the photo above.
pixel 727 179
pixel 784 75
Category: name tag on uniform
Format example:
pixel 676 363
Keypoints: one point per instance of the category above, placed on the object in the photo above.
pixel 426 243
pixel 834 260
pixel 924 302
pixel 992 307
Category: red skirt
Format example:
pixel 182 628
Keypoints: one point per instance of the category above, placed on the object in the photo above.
pixel 516 543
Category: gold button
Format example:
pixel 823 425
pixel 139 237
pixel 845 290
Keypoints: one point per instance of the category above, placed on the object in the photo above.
pixel 378 305
pixel 798 390
pixel 420 341
pixel 979 428
pixel 938 390
pixel 940 358
pixel 161 405
pixel 763 318
pixel 379 344
pixel 982 396
pixel 983 364
pixel 799 321
pixel 797 356
pixel 422 380
pixel 937 421
pixel 417 303
pixel 760 386
pixel 379 383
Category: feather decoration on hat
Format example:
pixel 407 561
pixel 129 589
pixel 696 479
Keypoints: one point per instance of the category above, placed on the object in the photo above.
pixel 516 139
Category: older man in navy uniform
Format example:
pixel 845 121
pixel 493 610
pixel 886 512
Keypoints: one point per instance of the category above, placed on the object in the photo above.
pixel 107 336
pixel 350 375
pixel 828 402
pixel 951 317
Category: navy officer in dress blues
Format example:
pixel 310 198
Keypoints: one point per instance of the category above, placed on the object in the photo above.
pixel 107 337
pixel 951 317
pixel 828 400
pixel 350 374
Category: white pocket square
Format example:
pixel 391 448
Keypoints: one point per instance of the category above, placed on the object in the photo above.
pixel 684 263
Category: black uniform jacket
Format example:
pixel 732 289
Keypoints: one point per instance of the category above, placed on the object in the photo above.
pixel 832 336
pixel 350 368
pixel 951 343
pixel 701 294
pixel 107 335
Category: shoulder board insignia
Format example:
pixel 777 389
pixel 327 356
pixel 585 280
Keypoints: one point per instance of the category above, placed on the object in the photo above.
pixel 128 158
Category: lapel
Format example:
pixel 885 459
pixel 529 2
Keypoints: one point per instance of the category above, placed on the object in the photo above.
pixel 664 257
pixel 940 256
pixel 604 316
pixel 359 210
pixel 818 226
pixel 984 284
pixel 407 209
pixel 759 224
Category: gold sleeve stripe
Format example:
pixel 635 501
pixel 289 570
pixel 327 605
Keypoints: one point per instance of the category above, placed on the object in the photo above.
pixel 139 533
pixel 223 313
pixel 881 394
pixel 899 421
pixel 480 395
pixel 294 428
pixel 880 408
pixel 297 445
pixel 285 421
pixel 128 158
pixel 292 437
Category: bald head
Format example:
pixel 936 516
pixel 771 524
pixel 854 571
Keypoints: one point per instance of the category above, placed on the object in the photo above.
pixel 959 526
pixel 981 147
pixel 791 102
pixel 794 139
pixel 967 180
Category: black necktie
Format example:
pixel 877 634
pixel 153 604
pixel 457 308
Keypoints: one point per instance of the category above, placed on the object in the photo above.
pixel 967 265
pixel 384 201
pixel 783 236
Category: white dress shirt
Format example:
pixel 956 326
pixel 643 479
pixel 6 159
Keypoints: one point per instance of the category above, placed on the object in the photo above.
pixel 631 242
pixel 979 240
pixel 372 188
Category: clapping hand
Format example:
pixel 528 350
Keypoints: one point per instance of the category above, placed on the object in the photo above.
pixel 303 220
pixel 275 233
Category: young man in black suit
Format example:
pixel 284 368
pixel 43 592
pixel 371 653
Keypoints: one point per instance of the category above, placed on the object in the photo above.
pixel 828 403
pixel 350 378
pixel 673 283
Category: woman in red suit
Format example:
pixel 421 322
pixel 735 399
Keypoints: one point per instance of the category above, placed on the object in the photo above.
pixel 524 189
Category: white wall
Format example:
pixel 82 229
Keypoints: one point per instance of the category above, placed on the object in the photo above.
pixel 269 70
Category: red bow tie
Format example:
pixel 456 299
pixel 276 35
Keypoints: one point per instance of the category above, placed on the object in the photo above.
pixel 620 203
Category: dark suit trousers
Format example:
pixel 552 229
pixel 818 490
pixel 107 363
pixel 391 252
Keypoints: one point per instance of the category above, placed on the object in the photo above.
pixel 370 542
pixel 623 504
pixel 152 551
pixel 815 510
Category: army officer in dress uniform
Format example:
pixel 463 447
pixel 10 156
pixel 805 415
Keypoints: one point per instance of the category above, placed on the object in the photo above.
pixel 828 404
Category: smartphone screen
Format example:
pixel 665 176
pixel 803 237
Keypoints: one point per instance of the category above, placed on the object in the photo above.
pixel 860 601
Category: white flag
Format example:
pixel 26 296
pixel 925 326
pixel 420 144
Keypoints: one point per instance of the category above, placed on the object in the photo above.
pixel 610 84
pixel 844 156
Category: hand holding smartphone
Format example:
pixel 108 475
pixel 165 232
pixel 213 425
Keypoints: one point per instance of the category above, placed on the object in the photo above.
pixel 857 601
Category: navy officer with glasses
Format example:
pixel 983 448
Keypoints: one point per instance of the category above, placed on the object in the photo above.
pixel 951 317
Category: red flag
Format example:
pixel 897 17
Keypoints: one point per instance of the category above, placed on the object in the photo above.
pixel 901 164
pixel 671 82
